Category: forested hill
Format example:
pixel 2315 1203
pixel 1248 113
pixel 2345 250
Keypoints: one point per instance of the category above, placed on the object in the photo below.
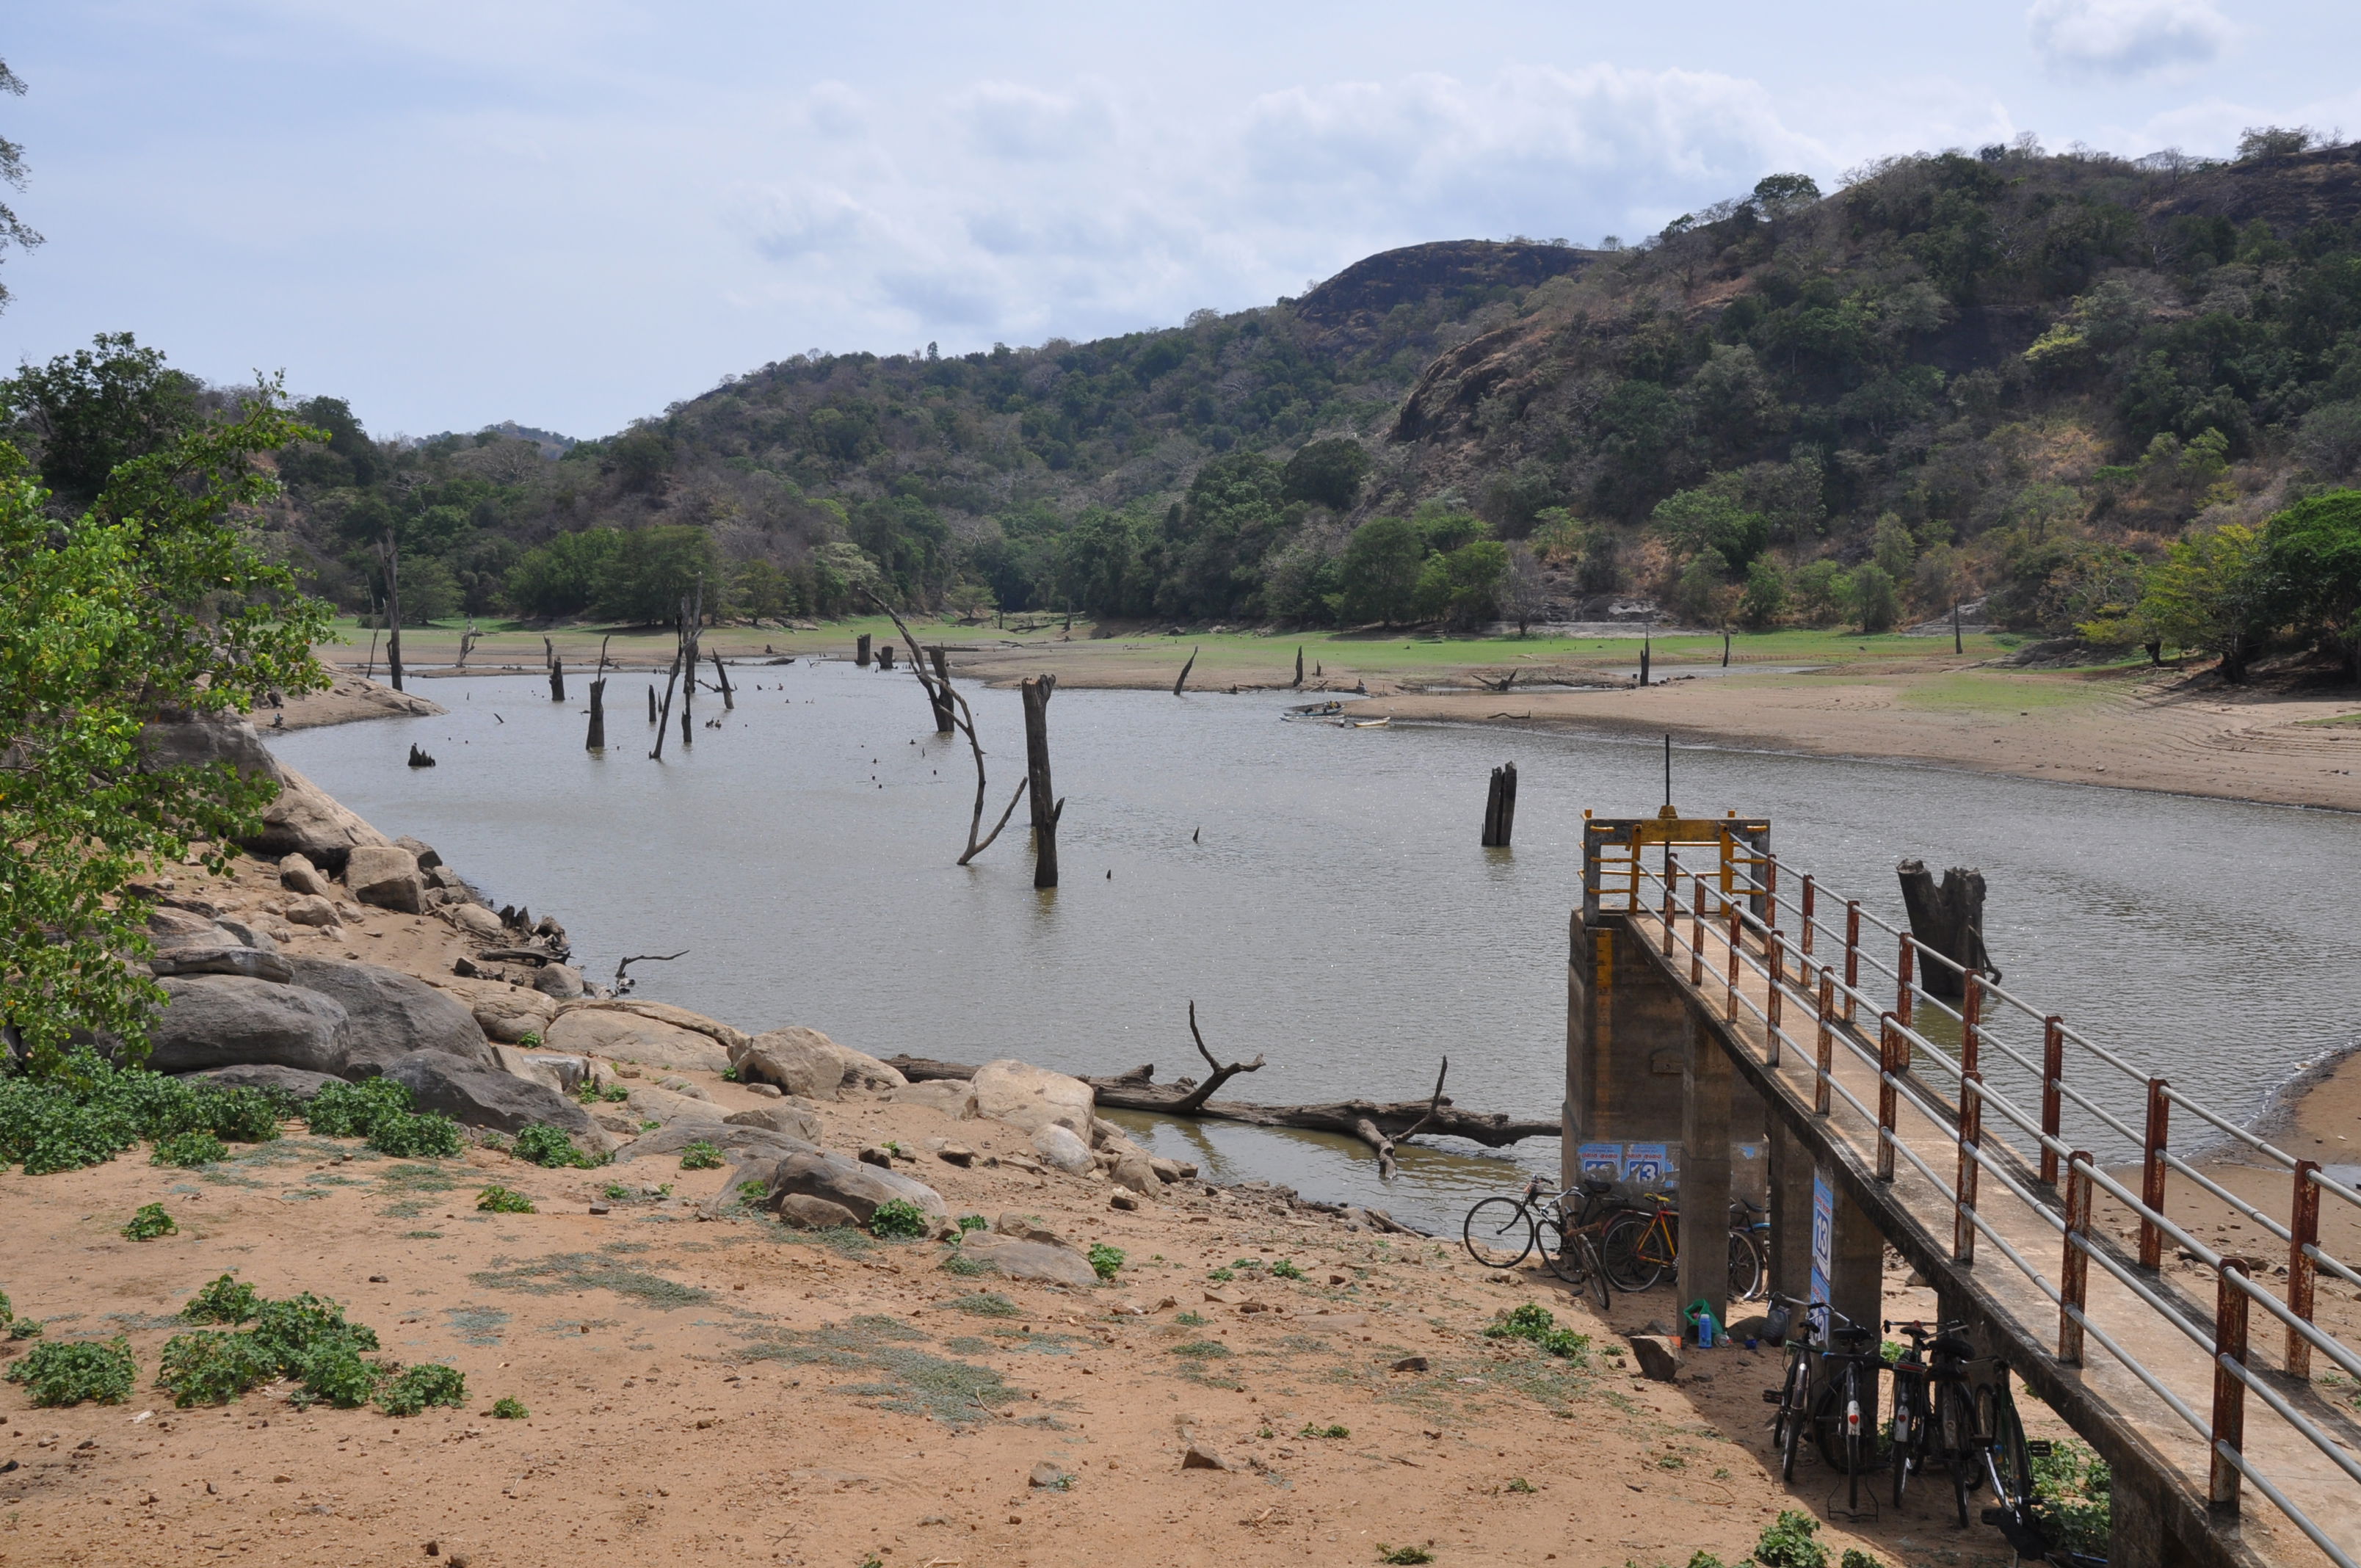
pixel 1996 372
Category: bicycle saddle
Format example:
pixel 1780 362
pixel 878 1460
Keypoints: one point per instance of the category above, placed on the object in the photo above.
pixel 1596 1187
pixel 1952 1344
pixel 1850 1336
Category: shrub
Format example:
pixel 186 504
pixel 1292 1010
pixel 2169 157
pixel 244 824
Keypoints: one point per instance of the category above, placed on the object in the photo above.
pixel 1519 1484
pixel 1534 1324
pixel 353 1110
pixel 424 1135
pixel 213 1368
pixel 1105 1260
pixel 90 1111
pixel 972 1223
pixel 25 1328
pixel 543 1145
pixel 1285 1270
pixel 702 1154
pixel 298 1331
pixel 337 1375
pixel 226 1301
pixel 896 1217
pixel 69 1373
pixel 1222 1275
pixel 149 1223
pixel 1403 1555
pixel 1855 1557
pixel 509 1410
pixel 1786 1543
pixel 188 1150
pixel 1311 1431
pixel 415 1389
pixel 528 1041
pixel 8 1308
pixel 497 1200
pixel 2073 1498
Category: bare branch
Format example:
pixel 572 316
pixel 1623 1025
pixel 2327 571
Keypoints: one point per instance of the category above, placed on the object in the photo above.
pixel 1189 1103
pixel 622 985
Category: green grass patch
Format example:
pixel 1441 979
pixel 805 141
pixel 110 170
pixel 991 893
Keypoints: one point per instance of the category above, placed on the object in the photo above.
pixel 415 1389
pixel 985 1304
pixel 562 1273
pixel 910 1381
pixel 499 1199
pixel 475 1325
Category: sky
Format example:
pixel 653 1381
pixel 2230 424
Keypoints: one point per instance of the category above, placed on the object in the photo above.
pixel 573 215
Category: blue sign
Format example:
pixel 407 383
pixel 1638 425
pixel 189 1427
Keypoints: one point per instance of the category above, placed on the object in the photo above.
pixel 1823 1239
pixel 1601 1161
pixel 1646 1164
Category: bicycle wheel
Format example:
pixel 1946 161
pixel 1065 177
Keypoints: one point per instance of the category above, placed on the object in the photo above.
pixel 1793 1397
pixel 1633 1260
pixel 1498 1233
pixel 1907 1427
pixel 1557 1256
pixel 1955 1432
pixel 1594 1268
pixel 2004 1438
pixel 1745 1265
pixel 1855 1420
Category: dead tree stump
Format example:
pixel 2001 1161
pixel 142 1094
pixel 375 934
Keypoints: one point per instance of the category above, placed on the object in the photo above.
pixel 1047 809
pixel 1949 919
pixel 1500 808
pixel 652 702
pixel 556 679
pixel 940 697
pixel 597 740
pixel 860 651
pixel 1298 669
pixel 1183 679
pixel 721 673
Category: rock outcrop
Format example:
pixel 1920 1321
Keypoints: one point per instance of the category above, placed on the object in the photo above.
pixel 858 1187
pixel 220 1020
pixel 1015 1259
pixel 292 1081
pixel 806 1062
pixel 392 1015
pixel 306 820
pixel 387 877
pixel 1033 1098
pixel 484 1096
pixel 741 1143
pixel 593 1030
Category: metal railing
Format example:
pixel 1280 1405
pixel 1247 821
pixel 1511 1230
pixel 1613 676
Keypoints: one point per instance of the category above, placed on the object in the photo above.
pixel 1738 927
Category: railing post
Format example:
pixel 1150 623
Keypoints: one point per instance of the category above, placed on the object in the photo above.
pixel 1889 1046
pixel 2074 1270
pixel 1672 899
pixel 1825 1046
pixel 1769 895
pixel 1972 1120
pixel 1696 937
pixel 1811 887
pixel 2159 1118
pixel 2053 1100
pixel 1730 993
pixel 1777 944
pixel 2229 1391
pixel 2303 1232
pixel 1906 969
pixel 1852 954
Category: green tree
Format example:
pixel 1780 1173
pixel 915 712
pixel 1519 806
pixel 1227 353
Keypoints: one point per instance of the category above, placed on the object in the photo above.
pixel 1711 517
pixel 1377 578
pixel 561 578
pixel 1870 597
pixel 1818 589
pixel 150 603
pixel 1894 547
pixel 92 411
pixel 1778 194
pixel 650 570
pixel 1328 473
pixel 2208 595
pixel 1216 538
pixel 1463 586
pixel 2311 567
pixel 764 592
pixel 1765 599
pixel 14 230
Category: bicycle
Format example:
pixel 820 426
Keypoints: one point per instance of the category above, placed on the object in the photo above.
pixel 1842 1411
pixel 1536 1218
pixel 2005 1459
pixel 1639 1245
pixel 1934 1417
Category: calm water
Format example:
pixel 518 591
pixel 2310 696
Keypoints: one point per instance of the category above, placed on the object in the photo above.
pixel 1319 892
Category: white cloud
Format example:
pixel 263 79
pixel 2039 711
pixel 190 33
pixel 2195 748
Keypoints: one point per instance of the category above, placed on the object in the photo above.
pixel 2125 38
pixel 1007 120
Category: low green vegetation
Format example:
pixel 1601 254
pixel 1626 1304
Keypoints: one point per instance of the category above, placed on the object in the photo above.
pixel 2073 1498
pixel 87 1111
pixel 1519 1484
pixel 149 1223
pixel 506 1409
pixel 380 1111
pixel 305 1338
pixel 499 1199
pixel 1536 1325
pixel 968 1222
pixel 226 1301
pixel 415 1389
pixel 1285 1268
pixel 1786 1543
pixel 1403 1555
pixel 543 1145
pixel 1105 1261
pixel 187 1150
pixel 898 1218
pixel 59 1373
pixel 703 1155
pixel 1311 1429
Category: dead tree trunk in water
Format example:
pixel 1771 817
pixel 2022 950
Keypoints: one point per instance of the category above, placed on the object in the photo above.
pixel 692 626
pixel 1948 918
pixel 946 700
pixel 1298 669
pixel 943 684
pixel 596 740
pixel 1184 673
pixel 558 680
pixel 1047 809
pixel 1500 808
pixel 664 721
pixel 721 673
pixel 886 656
pixel 391 553
pixel 861 649
pixel 652 702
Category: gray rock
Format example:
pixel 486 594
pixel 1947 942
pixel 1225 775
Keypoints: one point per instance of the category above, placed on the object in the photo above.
pixel 199 741
pixel 166 922
pixel 626 1037
pixel 392 1016
pixel 654 1104
pixel 291 1081
pixel 806 1062
pixel 1659 1357
pixel 764 1090
pixel 473 919
pixel 1199 1457
pixel 218 1020
pixel 741 1143
pixel 483 1096
pixel 516 1064
pixel 1137 1174
pixel 306 820
pixel 560 981
pixel 422 853
pixel 1017 1227
pixel 298 875
pixel 248 935
pixel 1032 1098
pixel 795 1122
pixel 238 960
pixel 1028 1260
pixel 387 877
pixel 807 1213
pixel 311 910
pixel 954 1097
pixel 571 1072
pixel 858 1187
pixel 1060 1147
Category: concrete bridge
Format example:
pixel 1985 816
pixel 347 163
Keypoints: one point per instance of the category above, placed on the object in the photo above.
pixel 1718 999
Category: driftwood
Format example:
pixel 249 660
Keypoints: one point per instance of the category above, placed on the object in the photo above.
pixel 1184 673
pixel 721 672
pixel 1503 685
pixel 943 717
pixel 1383 1126
pixel 596 740
pixel 664 719
pixel 623 985
pixel 943 698
pixel 1950 918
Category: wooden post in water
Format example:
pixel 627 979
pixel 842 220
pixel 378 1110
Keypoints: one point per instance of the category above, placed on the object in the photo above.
pixel 1500 808
pixel 664 721
pixel 1724 647
pixel 885 655
pixel 942 695
pixel 1957 647
pixel 389 553
pixel 692 626
pixel 860 651
pixel 1045 809
pixel 556 679
pixel 721 672
pixel 1184 673
pixel 596 740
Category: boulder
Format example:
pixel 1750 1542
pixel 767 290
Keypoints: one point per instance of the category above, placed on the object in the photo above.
pixel 1034 1097
pixel 859 1188
pixel 387 877
pixel 247 937
pixel 220 1020
pixel 165 923
pixel 422 853
pixel 653 1103
pixel 392 1016
pixel 732 1041
pixel 562 982
pixel 473 920
pixel 954 1097
pixel 791 1119
pixel 298 875
pixel 200 741
pixel 1058 1146
pixel 505 1013
pixel 236 959
pixel 739 1142
pixel 571 1072
pixel 1137 1175
pixel 311 910
pixel 483 1096
pixel 595 1031
pixel 1017 1227
pixel 306 820
pixel 680 1085
pixel 292 1081
pixel 1659 1357
pixel 514 1062
pixel 806 1214
pixel 806 1062
pixel 1028 1260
